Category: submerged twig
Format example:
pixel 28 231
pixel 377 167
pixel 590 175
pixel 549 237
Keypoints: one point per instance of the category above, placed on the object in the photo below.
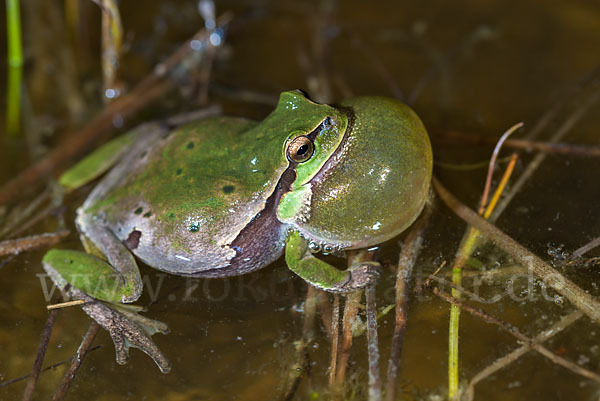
pixel 518 335
pixel 149 89
pixel 302 363
pixel 335 338
pixel 16 246
pixel 408 256
pixel 76 362
pixel 579 252
pixel 582 300
pixel 377 65
pixel 350 310
pixel 372 345
pixel 47 368
pixel 39 358
pixel 441 63
pixel 525 144
pixel 19 219
pixel 582 108
pixel 504 361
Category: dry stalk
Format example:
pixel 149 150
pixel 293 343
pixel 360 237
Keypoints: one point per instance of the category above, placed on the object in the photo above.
pixel 372 345
pixel 518 335
pixel 149 89
pixel 76 361
pixel 582 300
pixel 506 360
pixel 16 246
pixel 408 256
pixel 523 144
pixel 39 358
pixel 335 339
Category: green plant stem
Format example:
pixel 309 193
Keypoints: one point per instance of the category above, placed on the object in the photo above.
pixel 15 64
pixel 467 246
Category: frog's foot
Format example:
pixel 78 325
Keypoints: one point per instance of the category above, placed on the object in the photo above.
pixel 361 275
pixel 126 328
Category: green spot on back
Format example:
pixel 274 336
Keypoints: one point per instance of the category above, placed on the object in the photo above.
pixel 228 189
pixel 190 145
pixel 147 214
pixel 139 210
pixel 179 171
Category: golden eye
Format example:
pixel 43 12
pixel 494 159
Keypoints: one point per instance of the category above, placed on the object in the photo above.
pixel 300 149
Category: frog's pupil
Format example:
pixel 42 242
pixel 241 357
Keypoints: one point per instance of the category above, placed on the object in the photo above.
pixel 302 150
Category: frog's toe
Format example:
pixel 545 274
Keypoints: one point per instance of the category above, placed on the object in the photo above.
pixel 127 329
pixel 362 275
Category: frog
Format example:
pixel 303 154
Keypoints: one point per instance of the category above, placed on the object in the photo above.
pixel 226 196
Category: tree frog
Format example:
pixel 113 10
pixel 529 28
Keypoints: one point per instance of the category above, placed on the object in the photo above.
pixel 225 196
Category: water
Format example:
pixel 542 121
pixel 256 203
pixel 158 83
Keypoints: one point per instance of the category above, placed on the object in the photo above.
pixel 491 64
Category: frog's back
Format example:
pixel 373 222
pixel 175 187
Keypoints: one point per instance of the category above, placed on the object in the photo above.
pixel 180 199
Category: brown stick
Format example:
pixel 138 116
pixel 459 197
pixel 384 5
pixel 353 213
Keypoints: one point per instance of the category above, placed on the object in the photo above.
pixel 53 366
pixel 76 362
pixel 546 147
pixel 506 360
pixel 408 256
pixel 579 252
pixel 582 300
pixel 16 246
pixel 350 311
pixel 372 345
pixel 566 126
pixel 335 338
pixel 39 358
pixel 149 89
pixel 302 364
pixel 518 335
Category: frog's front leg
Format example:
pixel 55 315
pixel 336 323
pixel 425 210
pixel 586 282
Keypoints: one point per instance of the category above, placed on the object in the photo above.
pixel 103 285
pixel 321 274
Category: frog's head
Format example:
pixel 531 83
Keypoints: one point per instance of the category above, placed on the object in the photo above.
pixel 362 171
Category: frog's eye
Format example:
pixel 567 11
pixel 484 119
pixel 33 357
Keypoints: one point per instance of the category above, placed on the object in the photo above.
pixel 300 149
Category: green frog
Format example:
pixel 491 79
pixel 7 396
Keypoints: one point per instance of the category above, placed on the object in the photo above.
pixel 225 196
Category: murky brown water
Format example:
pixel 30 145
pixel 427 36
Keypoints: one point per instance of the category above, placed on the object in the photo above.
pixel 492 63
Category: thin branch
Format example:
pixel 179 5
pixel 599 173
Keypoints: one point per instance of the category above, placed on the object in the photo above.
pixel 149 89
pixel 582 108
pixel 406 262
pixel 76 362
pixel 47 368
pixel 506 360
pixel 372 345
pixel 518 335
pixel 335 339
pixel 302 364
pixel 16 246
pixel 39 358
pixel 582 300
pixel 524 144
pixel 579 252
pixel 350 311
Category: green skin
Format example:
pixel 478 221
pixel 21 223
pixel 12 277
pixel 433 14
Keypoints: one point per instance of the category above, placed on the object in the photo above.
pixel 222 197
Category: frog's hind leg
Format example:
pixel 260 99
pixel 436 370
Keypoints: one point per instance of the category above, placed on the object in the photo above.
pixel 102 242
pixel 103 283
